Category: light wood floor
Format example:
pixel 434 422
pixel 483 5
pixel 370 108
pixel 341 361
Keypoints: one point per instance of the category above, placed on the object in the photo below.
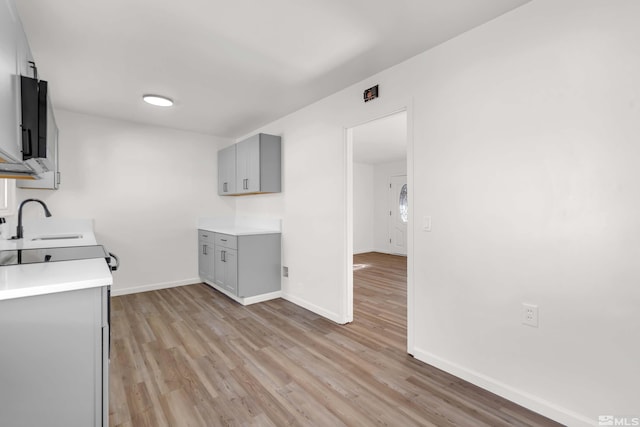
pixel 189 356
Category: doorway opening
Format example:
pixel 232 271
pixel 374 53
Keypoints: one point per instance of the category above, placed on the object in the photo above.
pixel 379 217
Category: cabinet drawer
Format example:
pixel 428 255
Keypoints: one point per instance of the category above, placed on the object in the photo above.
pixel 226 241
pixel 206 236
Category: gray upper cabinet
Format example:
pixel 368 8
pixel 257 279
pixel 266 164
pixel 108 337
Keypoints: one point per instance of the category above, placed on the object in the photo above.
pixel 227 170
pixel 256 164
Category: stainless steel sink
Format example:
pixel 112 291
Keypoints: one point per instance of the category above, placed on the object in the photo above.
pixel 59 237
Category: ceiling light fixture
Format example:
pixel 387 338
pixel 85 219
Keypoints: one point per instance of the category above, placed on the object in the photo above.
pixel 160 101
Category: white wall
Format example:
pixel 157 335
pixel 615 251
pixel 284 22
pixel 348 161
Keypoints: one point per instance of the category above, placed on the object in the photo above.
pixel 524 150
pixel 382 173
pixel 145 187
pixel 363 208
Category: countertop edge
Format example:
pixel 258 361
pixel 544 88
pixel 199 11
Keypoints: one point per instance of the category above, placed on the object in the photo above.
pixel 84 274
pixel 238 231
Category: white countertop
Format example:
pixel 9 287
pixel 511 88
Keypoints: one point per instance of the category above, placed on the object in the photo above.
pixel 239 231
pixel 24 280
pixel 17 281
pixel 240 226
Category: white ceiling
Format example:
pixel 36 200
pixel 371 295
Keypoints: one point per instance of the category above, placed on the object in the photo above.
pixel 231 66
pixel 381 141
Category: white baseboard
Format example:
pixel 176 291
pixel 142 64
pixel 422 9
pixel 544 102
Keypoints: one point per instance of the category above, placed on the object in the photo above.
pixel 513 394
pixel 363 251
pixel 334 317
pixel 263 297
pixel 245 300
pixel 153 287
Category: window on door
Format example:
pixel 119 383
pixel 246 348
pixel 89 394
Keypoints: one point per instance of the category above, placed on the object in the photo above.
pixel 403 205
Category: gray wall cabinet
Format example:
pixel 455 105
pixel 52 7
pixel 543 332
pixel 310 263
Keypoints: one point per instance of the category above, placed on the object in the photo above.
pixel 54 358
pixel 256 164
pixel 206 254
pixel 227 170
pixel 245 266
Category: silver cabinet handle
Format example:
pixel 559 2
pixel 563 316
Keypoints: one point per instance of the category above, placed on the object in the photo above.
pixel 224 187
pixel 204 249
pixel 223 257
pixel 245 184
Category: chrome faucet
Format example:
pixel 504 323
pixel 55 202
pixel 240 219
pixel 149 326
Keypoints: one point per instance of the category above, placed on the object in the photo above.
pixel 19 231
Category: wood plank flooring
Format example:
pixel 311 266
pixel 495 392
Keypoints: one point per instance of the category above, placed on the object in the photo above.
pixel 189 356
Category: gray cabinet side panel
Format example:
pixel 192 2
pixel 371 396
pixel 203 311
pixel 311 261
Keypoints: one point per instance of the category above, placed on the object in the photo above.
pixel 270 163
pixel 258 264
pixel 51 359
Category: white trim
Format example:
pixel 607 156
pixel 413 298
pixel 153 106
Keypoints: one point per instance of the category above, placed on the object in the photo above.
pixel 410 232
pixel 166 285
pixel 153 287
pixel 515 395
pixel 347 305
pixel 262 298
pixel 363 251
pixel 334 317
pixel 348 150
pixel 244 300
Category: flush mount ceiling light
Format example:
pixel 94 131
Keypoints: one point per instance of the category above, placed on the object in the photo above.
pixel 160 101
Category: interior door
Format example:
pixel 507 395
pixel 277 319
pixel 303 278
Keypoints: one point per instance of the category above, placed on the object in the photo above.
pixel 398 218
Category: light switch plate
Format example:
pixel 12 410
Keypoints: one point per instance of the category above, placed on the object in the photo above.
pixel 426 223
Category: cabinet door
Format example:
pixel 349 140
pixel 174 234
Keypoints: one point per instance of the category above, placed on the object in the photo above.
pixel 218 266
pixel 227 170
pixel 248 165
pixel 204 259
pixel 226 268
pixel 205 255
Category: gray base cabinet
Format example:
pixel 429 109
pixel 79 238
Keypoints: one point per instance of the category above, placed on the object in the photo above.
pixel 245 266
pixel 251 166
pixel 54 365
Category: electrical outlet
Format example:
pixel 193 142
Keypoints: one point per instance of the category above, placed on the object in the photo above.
pixel 285 271
pixel 530 315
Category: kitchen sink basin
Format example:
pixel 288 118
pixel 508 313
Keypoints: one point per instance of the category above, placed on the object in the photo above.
pixel 58 237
